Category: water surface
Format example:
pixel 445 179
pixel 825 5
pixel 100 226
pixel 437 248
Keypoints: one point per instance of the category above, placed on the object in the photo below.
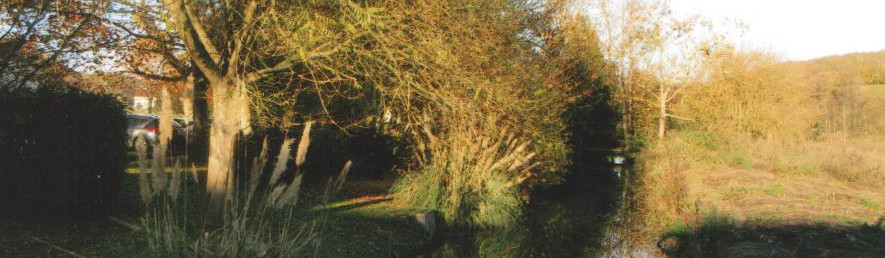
pixel 578 219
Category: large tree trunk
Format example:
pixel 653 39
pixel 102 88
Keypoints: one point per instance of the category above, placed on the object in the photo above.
pixel 230 117
pixel 230 110
pixel 225 127
pixel 200 142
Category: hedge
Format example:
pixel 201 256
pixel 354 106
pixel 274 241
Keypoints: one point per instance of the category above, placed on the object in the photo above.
pixel 62 153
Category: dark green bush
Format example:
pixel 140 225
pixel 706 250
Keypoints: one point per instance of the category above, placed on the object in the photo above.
pixel 62 153
pixel 373 153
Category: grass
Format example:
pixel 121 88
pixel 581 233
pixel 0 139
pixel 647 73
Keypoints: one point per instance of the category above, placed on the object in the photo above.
pixel 253 223
pixel 369 227
pixel 771 187
pixel 353 228
pixel 722 236
pixel 870 204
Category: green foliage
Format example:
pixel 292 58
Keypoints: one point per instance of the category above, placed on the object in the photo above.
pixel 256 231
pixel 472 179
pixel 485 68
pixel 422 189
pixel 592 129
pixel 871 204
pixel 63 153
pixel 488 243
pixel 701 138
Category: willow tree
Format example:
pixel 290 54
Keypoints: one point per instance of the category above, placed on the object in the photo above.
pixel 241 47
pixel 489 125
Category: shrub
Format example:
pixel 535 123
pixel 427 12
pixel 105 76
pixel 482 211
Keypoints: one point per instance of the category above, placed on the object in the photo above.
pixel 257 223
pixel 62 152
pixel 474 180
pixel 253 231
pixel 374 154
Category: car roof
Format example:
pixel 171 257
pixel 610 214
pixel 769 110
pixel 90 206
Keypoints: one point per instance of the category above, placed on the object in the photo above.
pixel 151 117
pixel 142 116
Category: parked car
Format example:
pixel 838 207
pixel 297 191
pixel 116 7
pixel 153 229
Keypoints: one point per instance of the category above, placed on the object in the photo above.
pixel 188 127
pixel 147 127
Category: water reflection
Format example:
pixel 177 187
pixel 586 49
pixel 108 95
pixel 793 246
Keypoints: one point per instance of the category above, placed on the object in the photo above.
pixel 572 220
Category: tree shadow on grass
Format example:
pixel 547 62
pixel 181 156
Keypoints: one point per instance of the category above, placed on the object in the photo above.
pixel 720 236
pixel 366 227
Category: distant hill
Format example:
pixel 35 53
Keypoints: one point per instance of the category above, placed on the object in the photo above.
pixel 859 68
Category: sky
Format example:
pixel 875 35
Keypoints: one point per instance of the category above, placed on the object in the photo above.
pixel 799 29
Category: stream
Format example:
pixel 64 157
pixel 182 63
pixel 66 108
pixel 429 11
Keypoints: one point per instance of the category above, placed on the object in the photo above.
pixel 581 218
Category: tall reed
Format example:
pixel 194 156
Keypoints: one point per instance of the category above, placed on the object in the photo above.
pixel 259 224
pixel 472 178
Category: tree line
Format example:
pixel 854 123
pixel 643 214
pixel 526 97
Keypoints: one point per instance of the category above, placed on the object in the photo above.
pixel 494 96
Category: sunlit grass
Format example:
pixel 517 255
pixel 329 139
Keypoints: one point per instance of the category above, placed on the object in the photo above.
pixel 835 181
pixel 198 169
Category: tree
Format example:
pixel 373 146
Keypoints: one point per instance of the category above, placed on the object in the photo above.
pixel 751 94
pixel 593 117
pixel 504 72
pixel 158 55
pixel 43 40
pixel 844 85
pixel 323 46
pixel 657 54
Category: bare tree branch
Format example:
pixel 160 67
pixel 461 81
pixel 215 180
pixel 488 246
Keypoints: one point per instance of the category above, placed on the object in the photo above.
pixel 152 76
pixel 248 21
pixel 200 53
pixel 294 62
pixel 679 117
pixel 56 53
pixel 197 26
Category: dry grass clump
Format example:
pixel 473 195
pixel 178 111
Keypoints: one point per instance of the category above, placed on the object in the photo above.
pixel 471 178
pixel 663 189
pixel 258 224
pixel 853 161
pixel 252 232
pixel 155 182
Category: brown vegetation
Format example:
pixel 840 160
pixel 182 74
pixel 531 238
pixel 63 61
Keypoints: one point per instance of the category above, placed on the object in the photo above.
pixel 764 149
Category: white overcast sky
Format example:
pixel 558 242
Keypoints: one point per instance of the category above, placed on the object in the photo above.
pixel 800 29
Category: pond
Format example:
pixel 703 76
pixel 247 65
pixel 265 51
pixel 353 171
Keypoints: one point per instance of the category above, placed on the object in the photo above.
pixel 578 219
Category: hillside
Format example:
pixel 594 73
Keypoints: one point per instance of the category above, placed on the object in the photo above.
pixel 719 186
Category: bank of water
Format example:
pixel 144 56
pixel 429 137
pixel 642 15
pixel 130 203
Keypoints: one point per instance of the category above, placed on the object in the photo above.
pixel 582 218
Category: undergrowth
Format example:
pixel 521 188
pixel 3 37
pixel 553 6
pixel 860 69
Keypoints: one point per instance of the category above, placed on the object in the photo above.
pixel 473 180
pixel 256 222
